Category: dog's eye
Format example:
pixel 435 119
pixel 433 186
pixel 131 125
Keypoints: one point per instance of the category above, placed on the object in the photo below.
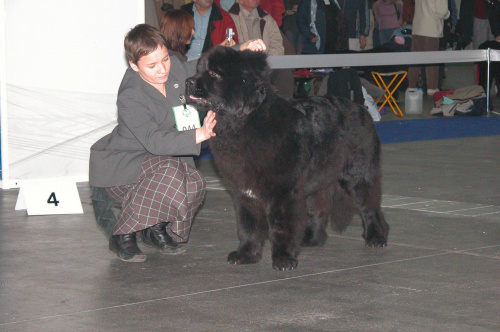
pixel 213 74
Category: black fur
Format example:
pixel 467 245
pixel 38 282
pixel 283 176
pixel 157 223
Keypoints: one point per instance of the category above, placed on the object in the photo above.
pixel 293 166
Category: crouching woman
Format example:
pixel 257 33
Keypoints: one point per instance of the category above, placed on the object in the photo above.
pixel 142 175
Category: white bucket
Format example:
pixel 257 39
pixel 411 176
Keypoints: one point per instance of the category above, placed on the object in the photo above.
pixel 413 101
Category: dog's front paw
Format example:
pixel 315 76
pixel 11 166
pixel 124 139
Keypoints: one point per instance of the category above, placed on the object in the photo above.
pixel 235 257
pixel 376 241
pixel 283 263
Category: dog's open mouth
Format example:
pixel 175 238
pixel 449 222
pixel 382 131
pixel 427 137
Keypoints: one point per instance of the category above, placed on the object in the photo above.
pixel 198 99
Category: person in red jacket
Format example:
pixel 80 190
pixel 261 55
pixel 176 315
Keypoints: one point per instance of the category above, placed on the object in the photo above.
pixel 276 8
pixel 210 31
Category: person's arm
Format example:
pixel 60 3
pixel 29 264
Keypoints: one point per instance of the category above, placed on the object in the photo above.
pixel 442 9
pixel 364 24
pixel 275 46
pixel 136 111
pixel 256 45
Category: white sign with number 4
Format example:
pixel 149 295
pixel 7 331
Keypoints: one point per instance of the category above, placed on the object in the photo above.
pixel 50 196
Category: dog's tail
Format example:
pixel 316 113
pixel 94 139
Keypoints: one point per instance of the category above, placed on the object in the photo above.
pixel 341 212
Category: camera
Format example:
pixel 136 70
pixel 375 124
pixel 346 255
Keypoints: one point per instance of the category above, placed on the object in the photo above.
pixel 229 34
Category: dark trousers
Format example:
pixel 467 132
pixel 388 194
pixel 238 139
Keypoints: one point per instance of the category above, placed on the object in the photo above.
pixel 105 210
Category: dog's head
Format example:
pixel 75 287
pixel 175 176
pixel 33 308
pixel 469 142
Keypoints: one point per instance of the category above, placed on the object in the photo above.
pixel 229 81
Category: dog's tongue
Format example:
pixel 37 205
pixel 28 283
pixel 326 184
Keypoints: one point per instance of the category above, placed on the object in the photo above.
pixel 193 97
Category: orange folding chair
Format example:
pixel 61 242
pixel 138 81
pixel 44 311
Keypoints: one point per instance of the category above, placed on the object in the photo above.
pixel 390 88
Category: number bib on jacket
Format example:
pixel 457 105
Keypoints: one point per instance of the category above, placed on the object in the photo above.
pixel 186 117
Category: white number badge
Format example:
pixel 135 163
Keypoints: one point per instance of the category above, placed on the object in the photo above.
pixel 186 117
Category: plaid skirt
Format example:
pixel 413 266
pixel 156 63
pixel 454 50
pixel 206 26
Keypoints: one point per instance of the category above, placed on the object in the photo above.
pixel 169 190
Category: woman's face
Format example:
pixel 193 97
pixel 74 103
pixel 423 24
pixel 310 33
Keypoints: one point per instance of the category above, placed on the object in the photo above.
pixel 154 67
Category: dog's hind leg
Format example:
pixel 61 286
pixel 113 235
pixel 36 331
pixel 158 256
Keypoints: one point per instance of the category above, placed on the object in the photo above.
pixel 252 232
pixel 375 228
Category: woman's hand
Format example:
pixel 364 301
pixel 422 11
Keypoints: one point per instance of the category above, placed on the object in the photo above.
pixel 228 43
pixel 362 42
pixel 206 130
pixel 256 45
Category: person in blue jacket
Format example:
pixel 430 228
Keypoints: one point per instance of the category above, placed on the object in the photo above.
pixel 311 22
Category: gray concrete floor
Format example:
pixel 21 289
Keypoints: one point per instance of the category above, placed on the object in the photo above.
pixel 440 271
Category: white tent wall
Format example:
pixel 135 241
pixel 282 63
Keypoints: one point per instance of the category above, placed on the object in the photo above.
pixel 63 64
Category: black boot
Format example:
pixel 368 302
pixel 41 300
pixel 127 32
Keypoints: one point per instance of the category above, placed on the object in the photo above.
pixel 156 236
pixel 125 247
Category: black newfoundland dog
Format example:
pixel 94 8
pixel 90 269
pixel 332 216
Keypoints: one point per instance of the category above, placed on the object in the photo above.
pixel 293 165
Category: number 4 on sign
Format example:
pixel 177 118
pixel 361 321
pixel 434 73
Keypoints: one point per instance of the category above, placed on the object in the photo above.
pixel 44 197
pixel 52 199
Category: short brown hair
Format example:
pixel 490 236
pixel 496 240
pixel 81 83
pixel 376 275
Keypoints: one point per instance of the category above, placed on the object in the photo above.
pixel 177 26
pixel 142 40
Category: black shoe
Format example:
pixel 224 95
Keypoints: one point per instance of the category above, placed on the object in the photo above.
pixel 156 236
pixel 125 247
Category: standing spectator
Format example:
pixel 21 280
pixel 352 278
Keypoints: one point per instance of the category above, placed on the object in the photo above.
pixel 289 25
pixel 357 17
pixel 389 18
pixel 427 29
pixel 371 40
pixel 475 24
pixel 178 28
pixel 210 24
pixel 311 22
